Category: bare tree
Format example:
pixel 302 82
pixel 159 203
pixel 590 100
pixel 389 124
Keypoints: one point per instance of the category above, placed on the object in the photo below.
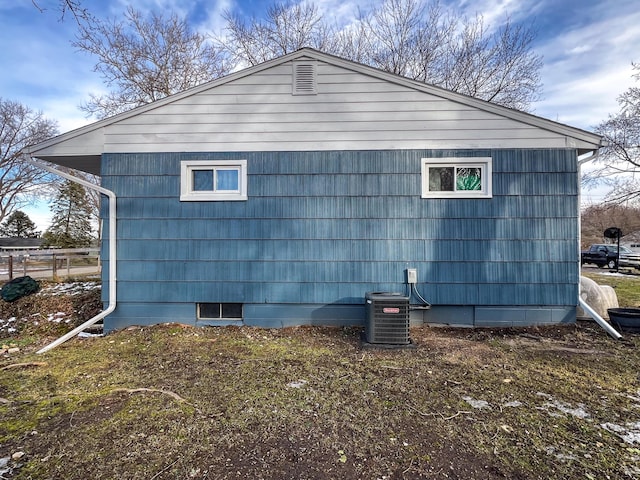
pixel 145 59
pixel 73 7
pixel 20 127
pixel 619 163
pixel 142 59
pixel 422 41
pixel 286 28
pixel 499 67
pixel 595 219
pixel 351 42
pixel 412 38
pixel 408 38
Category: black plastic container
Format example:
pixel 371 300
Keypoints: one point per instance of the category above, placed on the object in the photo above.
pixel 626 319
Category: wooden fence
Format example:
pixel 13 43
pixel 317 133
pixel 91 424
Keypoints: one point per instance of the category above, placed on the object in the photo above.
pixel 53 263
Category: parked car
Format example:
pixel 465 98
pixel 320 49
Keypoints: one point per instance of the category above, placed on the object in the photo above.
pixel 604 255
pixel 629 258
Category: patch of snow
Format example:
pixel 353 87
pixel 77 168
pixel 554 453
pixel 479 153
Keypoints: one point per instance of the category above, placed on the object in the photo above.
pixel 635 398
pixel 631 471
pixel 75 288
pixel 56 317
pixel 566 408
pixel 6 325
pixel 298 384
pixel 629 433
pixel 619 274
pixel 560 456
pixel 4 466
pixel 515 403
pixel 476 403
pixel 89 335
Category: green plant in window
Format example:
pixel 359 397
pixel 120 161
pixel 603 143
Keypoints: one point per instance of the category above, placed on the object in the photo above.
pixel 468 179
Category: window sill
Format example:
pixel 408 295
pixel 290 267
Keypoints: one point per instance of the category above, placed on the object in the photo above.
pixel 209 197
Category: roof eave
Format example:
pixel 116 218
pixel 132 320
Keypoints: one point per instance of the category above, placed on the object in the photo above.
pixel 84 163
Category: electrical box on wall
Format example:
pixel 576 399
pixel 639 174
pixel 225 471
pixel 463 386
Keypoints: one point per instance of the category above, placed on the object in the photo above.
pixel 412 275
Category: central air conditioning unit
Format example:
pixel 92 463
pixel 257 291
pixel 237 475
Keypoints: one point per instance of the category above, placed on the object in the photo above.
pixel 387 318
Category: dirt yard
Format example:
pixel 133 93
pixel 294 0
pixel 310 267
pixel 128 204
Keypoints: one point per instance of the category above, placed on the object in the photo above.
pixel 175 402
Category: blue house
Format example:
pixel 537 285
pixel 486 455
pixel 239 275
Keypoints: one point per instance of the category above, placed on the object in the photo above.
pixel 281 194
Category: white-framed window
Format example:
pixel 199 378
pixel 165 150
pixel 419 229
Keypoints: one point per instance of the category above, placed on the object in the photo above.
pixel 456 177
pixel 213 180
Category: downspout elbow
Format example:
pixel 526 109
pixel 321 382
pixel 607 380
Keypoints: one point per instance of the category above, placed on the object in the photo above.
pixel 584 159
pixel 80 328
pixel 601 321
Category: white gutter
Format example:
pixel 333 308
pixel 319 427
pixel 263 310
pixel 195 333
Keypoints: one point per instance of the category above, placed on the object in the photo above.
pixel 601 321
pixel 112 252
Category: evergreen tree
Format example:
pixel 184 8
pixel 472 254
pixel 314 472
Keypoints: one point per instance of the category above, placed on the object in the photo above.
pixel 18 225
pixel 71 223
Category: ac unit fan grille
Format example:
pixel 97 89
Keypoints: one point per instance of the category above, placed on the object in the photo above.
pixel 387 320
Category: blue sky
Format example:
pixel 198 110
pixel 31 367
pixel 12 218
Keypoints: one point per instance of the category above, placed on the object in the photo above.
pixel 587 46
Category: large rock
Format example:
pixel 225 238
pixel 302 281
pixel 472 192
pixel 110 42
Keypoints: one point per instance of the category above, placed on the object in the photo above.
pixel 598 297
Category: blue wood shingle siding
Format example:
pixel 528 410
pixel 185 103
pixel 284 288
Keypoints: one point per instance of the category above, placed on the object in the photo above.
pixel 326 227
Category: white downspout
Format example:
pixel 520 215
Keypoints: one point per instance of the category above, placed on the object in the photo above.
pixel 112 253
pixel 585 306
pixel 601 321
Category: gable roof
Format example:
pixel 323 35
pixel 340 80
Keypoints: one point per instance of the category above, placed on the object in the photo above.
pixel 221 115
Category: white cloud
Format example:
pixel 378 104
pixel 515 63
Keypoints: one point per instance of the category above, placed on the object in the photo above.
pixel 495 12
pixel 40 213
pixel 586 69
pixel 580 49
pixel 214 21
pixel 66 112
pixel 343 12
pixel 12 4
pixel 180 7
pixel 584 100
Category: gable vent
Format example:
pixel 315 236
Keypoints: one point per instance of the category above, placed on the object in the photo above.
pixel 304 78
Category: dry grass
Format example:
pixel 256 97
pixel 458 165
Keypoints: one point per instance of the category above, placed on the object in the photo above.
pixel 178 402
pixel 627 286
pixel 172 401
